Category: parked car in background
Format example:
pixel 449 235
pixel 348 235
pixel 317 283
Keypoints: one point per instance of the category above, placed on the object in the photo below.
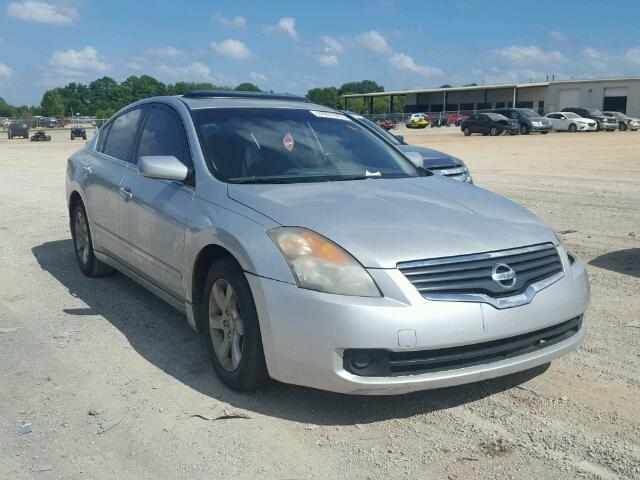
pixel 18 129
pixel 489 124
pixel 78 132
pixel 624 122
pixel 571 122
pixel 387 124
pixel 433 160
pixel 604 123
pixel 457 119
pixel 417 120
pixel 528 120
pixel 306 248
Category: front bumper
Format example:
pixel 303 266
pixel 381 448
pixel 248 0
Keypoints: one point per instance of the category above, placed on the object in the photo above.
pixel 306 333
pixel 541 128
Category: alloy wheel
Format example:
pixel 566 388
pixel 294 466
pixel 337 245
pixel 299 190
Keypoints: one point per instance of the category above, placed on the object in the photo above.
pixel 81 236
pixel 226 325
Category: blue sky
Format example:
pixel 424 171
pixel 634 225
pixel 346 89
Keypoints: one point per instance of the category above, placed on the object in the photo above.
pixel 296 45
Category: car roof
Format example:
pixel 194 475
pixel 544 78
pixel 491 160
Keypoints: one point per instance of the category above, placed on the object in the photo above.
pixel 201 99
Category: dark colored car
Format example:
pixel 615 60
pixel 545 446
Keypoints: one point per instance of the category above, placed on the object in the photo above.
pixel 40 136
pixel 433 160
pixel 528 120
pixel 604 123
pixel 18 129
pixel 78 132
pixel 489 124
pixel 624 122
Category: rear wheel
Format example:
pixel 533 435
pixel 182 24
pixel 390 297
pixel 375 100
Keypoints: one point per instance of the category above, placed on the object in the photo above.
pixel 466 131
pixel 623 127
pixel 573 128
pixel 232 328
pixel 83 245
pixel 493 132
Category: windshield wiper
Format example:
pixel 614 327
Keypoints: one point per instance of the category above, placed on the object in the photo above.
pixel 265 180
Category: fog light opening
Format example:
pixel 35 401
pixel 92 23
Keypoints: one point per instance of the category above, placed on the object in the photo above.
pixel 360 361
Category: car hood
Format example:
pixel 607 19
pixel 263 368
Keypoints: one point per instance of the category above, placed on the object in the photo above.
pixel 383 222
pixel 432 158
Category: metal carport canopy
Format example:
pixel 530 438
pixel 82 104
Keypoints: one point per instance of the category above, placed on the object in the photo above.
pixel 448 89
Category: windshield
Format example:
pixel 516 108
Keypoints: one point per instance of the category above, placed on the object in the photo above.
pixel 571 115
pixel 283 145
pixel 526 112
pixel 593 111
pixel 379 130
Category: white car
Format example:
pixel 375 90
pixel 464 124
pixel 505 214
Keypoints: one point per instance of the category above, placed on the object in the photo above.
pixel 571 122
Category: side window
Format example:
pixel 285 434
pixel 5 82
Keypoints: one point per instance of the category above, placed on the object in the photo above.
pixel 119 138
pixel 163 134
pixel 102 136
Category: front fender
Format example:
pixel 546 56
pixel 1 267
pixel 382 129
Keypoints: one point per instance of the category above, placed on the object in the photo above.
pixel 239 230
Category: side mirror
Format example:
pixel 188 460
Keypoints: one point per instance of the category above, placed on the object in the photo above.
pixel 400 137
pixel 166 167
pixel 415 158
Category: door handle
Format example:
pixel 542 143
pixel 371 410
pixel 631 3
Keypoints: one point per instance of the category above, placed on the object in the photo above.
pixel 125 193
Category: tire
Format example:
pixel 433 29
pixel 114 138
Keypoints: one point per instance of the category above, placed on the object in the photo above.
pixel 623 127
pixel 83 244
pixel 544 133
pixel 242 367
pixel 573 128
pixel 72 137
pixel 9 135
pixel 466 131
pixel 84 137
pixel 493 132
pixel 524 130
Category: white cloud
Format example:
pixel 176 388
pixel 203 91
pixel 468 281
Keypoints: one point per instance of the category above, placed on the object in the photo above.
pixel 404 63
pixel 166 52
pixel 133 66
pixel 77 62
pixel 236 22
pixel 332 45
pixel 5 71
pixel 524 55
pixel 285 25
pixel 558 35
pixel 327 60
pixel 258 77
pixel 42 12
pixel 374 41
pixel 593 54
pixel 232 49
pixel 633 55
pixel 195 71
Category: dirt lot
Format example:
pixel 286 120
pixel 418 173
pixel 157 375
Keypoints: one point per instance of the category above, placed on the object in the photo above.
pixel 115 385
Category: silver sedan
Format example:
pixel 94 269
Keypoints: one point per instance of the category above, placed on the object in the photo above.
pixel 310 250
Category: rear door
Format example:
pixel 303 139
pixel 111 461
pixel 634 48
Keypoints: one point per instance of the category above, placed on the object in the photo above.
pixel 104 171
pixel 153 213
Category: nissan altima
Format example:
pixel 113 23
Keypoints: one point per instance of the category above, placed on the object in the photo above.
pixel 308 249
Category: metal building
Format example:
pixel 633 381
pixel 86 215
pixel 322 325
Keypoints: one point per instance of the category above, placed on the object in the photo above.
pixel 619 94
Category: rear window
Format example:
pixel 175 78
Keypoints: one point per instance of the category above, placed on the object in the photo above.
pixel 283 145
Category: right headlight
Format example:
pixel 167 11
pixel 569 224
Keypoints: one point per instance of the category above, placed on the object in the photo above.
pixel 319 264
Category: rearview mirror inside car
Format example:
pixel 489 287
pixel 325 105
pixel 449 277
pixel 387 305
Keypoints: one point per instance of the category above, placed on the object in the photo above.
pixel 165 167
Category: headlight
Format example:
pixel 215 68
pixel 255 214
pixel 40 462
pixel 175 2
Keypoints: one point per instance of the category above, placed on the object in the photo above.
pixel 319 264
pixel 572 259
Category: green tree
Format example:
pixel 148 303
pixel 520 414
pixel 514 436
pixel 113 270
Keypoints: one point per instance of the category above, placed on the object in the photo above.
pixel 52 105
pixel 180 88
pixel 247 87
pixel 364 86
pixel 325 96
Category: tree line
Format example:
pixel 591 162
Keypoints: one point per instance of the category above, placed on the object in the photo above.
pixel 105 96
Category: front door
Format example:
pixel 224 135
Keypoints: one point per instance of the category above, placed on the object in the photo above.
pixel 153 213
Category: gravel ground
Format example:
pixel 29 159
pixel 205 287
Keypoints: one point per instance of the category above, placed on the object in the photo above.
pixel 99 379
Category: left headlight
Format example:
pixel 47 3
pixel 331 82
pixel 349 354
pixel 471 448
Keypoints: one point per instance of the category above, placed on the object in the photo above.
pixel 319 264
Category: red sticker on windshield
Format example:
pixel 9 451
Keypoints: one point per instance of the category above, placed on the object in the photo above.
pixel 288 142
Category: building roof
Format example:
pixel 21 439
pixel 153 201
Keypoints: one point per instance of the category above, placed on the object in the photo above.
pixel 487 87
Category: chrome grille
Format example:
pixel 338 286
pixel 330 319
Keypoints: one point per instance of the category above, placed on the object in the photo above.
pixel 472 274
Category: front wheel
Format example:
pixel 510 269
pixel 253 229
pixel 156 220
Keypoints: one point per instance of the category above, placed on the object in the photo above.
pixel 623 127
pixel 83 244
pixel 493 132
pixel 466 131
pixel 573 128
pixel 232 328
